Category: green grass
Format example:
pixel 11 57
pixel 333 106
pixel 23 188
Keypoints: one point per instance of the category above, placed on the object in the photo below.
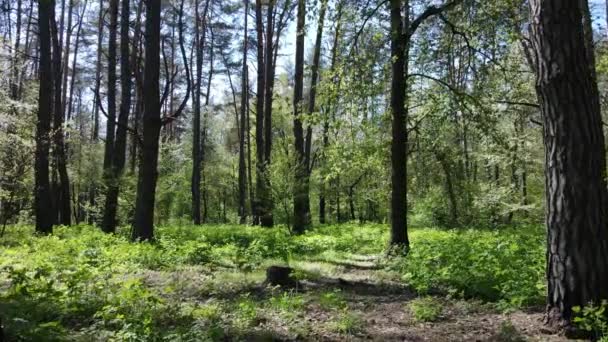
pixel 198 283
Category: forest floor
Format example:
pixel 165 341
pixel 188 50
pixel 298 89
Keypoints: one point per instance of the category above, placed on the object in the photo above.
pixel 210 284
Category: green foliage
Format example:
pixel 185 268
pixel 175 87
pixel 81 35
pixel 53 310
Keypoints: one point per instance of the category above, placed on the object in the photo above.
pixel 504 266
pixel 332 300
pixel 83 282
pixel 593 318
pixel 426 309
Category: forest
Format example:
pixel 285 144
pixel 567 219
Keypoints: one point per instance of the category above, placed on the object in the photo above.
pixel 303 170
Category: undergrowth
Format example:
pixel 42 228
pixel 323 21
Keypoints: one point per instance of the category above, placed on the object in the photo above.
pixel 199 283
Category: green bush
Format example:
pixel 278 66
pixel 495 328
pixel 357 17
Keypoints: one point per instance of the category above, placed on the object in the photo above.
pixel 425 309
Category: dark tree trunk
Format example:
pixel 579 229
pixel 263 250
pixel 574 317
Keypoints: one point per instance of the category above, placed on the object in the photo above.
pixel 111 119
pixel 334 58
pixel 266 217
pixel 143 225
pixel 259 115
pixel 244 99
pixel 196 117
pixel 399 133
pixel 42 192
pixel 120 143
pixel 575 170
pixel 137 74
pixel 61 186
pixel 301 218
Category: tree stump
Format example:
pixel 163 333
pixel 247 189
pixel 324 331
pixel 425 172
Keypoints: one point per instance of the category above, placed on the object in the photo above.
pixel 280 276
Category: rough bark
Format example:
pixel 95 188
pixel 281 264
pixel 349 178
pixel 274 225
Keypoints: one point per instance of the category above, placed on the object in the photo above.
pixel 42 192
pixel 143 225
pixel 575 170
pixel 399 44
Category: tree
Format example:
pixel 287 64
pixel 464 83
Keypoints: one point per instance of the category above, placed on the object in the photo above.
pixel 120 143
pixel 197 147
pixel 301 206
pixel 60 180
pixel 402 30
pixel 42 191
pixel 575 169
pixel 399 57
pixel 143 222
pixel 242 129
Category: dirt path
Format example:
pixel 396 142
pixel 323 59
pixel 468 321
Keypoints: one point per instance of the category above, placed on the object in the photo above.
pixel 383 313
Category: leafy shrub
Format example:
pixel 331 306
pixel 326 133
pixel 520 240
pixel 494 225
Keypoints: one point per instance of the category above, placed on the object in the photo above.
pixel 425 309
pixel 505 266
pixel 593 318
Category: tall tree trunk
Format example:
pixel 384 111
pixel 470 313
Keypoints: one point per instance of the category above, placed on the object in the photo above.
pixel 244 99
pixel 61 186
pixel 204 130
pixel 42 191
pixel 199 37
pixel 136 69
pixel 97 98
pixel 143 225
pixel 301 220
pixel 334 58
pixel 259 115
pixel 111 119
pixel 399 133
pixel 267 218
pixel 575 170
pixel 120 144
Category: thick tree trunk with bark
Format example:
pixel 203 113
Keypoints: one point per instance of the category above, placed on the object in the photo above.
pixel 575 170
pixel 143 225
pixel 120 143
pixel 42 191
pixel 301 216
pixel 399 133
